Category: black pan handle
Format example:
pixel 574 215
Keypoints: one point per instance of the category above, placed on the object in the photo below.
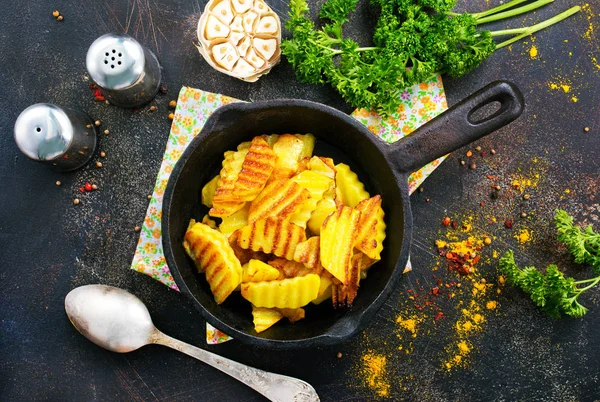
pixel 457 127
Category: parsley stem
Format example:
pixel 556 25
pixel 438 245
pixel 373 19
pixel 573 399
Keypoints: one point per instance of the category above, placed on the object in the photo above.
pixel 513 12
pixel 594 283
pixel 524 32
pixel 497 9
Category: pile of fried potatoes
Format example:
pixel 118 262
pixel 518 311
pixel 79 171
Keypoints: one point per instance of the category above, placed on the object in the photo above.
pixel 294 229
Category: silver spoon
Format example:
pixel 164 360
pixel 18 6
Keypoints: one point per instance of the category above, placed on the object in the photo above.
pixel 118 321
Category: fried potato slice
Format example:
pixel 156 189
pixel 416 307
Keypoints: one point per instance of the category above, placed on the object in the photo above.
pixel 317 185
pixel 325 207
pixel 212 255
pixel 308 253
pixel 324 290
pixel 293 314
pixel 371 227
pixel 208 191
pixel 281 198
pixel 224 201
pixel 265 318
pixel 272 236
pixel 207 221
pixel 322 166
pixel 351 189
pixel 258 271
pixel 337 241
pixel 235 221
pixel 289 269
pixel 290 150
pixel 344 295
pixel 285 293
pixel 243 255
pixel 257 167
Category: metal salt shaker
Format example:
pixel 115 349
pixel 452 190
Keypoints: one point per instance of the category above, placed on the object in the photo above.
pixel 61 137
pixel 127 72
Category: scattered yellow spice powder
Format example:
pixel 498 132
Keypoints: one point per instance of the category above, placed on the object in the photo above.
pixel 533 52
pixel 374 373
pixel 524 236
pixel 491 305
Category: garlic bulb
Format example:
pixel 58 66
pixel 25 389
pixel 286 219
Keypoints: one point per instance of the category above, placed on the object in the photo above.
pixel 240 38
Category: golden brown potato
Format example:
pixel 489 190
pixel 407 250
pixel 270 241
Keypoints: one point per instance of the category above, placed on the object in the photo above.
pixel 272 236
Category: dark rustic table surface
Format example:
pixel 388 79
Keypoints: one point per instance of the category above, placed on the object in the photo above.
pixel 49 246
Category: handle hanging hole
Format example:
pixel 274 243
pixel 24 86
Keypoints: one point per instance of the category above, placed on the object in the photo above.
pixel 38 129
pixel 119 63
pixel 112 66
pixel 484 112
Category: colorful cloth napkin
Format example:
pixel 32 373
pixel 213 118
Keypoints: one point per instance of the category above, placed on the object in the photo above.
pixel 420 104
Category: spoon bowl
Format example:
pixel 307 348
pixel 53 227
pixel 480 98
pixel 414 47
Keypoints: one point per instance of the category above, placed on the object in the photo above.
pixel 120 322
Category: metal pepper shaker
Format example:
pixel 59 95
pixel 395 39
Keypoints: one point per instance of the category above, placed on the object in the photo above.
pixel 127 72
pixel 64 138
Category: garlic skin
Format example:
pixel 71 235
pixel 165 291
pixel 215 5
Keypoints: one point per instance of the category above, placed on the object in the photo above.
pixel 240 38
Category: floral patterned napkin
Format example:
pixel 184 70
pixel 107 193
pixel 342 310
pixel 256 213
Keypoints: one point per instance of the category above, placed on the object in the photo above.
pixel 420 104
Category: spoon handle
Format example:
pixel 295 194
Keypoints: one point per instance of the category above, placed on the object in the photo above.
pixel 273 386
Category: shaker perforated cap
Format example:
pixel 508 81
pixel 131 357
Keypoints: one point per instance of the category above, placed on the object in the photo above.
pixel 43 131
pixel 115 61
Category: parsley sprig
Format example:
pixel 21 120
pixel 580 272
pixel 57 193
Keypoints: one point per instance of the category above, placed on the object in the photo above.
pixel 553 292
pixel 414 40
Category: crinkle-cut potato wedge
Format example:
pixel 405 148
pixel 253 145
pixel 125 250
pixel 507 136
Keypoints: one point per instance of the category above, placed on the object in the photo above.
pixel 243 255
pixel 208 191
pixel 290 150
pixel 237 220
pixel 272 236
pixel 256 170
pixel 371 227
pixel 264 318
pixel 258 271
pixel 324 290
pixel 344 295
pixel 212 255
pixel 320 165
pixel 282 198
pixel 350 188
pixel 290 269
pixel 285 293
pixel 293 314
pixel 337 241
pixel 325 207
pixel 308 253
pixel 224 202
pixel 317 185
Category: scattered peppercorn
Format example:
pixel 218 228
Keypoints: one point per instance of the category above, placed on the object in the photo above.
pixel 339 355
pixel 102 154
pixel 152 108
pixel 149 196
pixel 97 123
pixel 463 163
pixel 508 224
pixel 472 166
pixel 483 154
pixel 58 183
pixel 76 201
pixel 523 215
pixel 94 187
pixel 526 196
pixel 439 316
pixel 106 132
pixel 493 152
pixel 137 228
pixel 586 129
pixel 497 187
pixel 487 241
pixel 99 164
pixel 173 104
pixel 106 102
pixel 82 189
pixel 163 89
pixel 171 116
pixel 55 13
pixel 427 200
pixel 481 204
pixel 469 153
pixel 88 126
pixel 420 189
pixel 88 187
pixel 477 148
pixel 446 221
pixel 60 18
pixel 482 280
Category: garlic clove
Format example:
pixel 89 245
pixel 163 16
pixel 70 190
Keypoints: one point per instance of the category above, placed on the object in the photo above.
pixel 249 20
pixel 243 68
pixel 221 50
pixel 261 7
pixel 244 46
pixel 215 29
pixel 254 59
pixel 241 6
pixel 267 25
pixel 237 24
pixel 222 10
pixel 236 37
pixel 265 47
